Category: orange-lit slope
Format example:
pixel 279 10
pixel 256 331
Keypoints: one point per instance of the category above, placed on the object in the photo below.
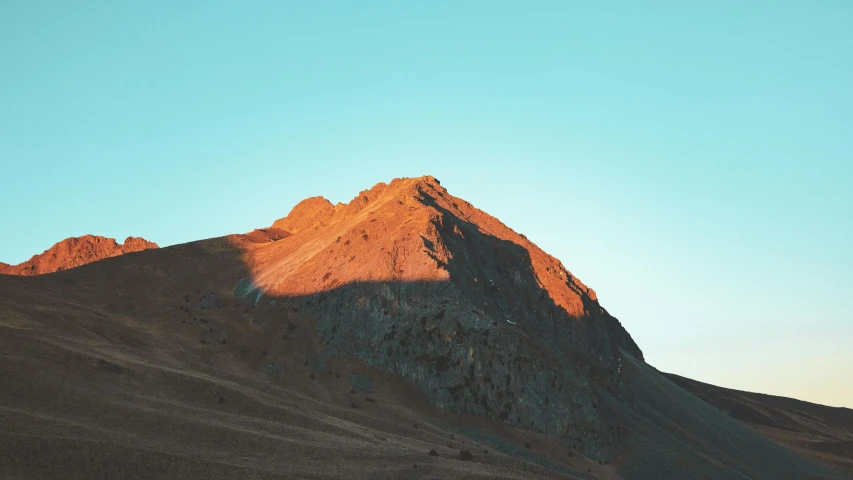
pixel 393 233
pixel 75 251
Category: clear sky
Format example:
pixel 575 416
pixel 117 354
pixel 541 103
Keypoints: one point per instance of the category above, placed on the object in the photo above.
pixel 691 161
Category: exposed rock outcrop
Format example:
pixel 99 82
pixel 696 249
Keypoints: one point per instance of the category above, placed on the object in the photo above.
pixel 421 283
pixel 75 251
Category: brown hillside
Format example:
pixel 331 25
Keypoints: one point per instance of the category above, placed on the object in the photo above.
pixel 405 334
pixel 824 434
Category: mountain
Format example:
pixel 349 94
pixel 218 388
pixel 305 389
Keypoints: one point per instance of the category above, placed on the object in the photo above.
pixel 75 251
pixel 416 281
pixel 403 334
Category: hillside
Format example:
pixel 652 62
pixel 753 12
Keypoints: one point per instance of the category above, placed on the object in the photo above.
pixel 824 434
pixel 347 341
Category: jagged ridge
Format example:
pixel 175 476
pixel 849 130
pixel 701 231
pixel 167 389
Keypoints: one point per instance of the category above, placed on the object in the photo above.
pixel 74 252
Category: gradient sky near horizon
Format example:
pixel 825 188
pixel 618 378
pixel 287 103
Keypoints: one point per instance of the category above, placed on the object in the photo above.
pixel 691 161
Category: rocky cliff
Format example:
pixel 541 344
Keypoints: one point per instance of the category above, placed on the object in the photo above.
pixel 421 283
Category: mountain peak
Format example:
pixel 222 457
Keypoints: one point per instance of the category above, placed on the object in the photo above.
pixel 309 213
pixel 74 252
pixel 407 256
pixel 317 212
pixel 420 217
pixel 413 230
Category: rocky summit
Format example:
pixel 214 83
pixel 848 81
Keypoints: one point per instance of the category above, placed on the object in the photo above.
pixel 418 282
pixel 75 251
pixel 405 334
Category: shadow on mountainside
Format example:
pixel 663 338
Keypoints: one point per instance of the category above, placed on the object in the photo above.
pixel 819 432
pixel 168 362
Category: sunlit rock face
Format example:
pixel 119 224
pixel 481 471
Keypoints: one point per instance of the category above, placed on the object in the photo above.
pixel 421 283
pixel 74 252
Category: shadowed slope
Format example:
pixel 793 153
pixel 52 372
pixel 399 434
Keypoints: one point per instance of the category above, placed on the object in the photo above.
pixel 475 314
pixel 420 283
pixel 824 434
pixel 675 435
pixel 401 322
pixel 147 366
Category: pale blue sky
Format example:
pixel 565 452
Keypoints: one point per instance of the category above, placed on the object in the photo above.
pixel 691 162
